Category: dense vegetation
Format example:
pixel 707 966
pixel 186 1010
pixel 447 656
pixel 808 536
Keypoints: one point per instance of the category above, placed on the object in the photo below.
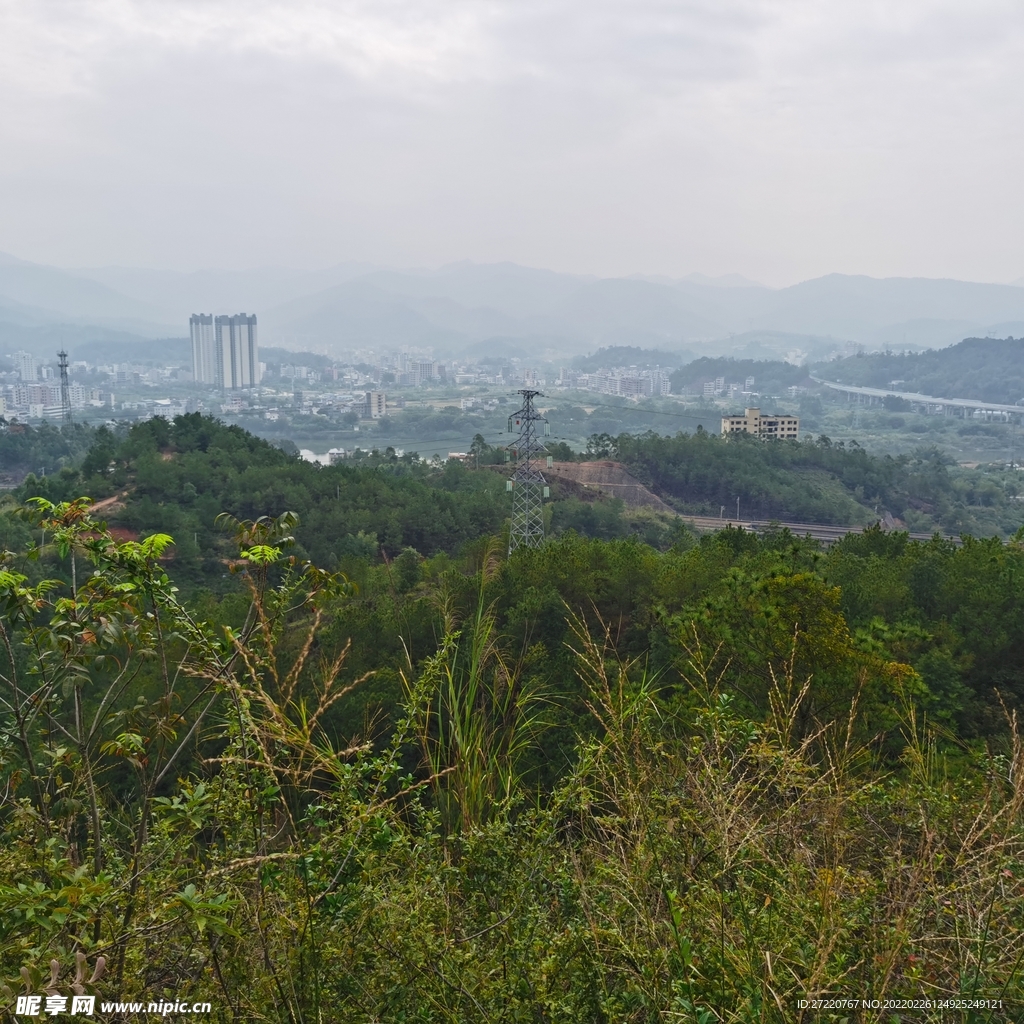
pixel 816 481
pixel 989 369
pixel 43 449
pixel 177 477
pixel 361 766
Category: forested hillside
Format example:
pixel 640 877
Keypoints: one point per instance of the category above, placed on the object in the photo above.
pixel 612 356
pixel 42 450
pixel 989 369
pixel 771 376
pixel 335 756
pixel 177 477
pixel 816 481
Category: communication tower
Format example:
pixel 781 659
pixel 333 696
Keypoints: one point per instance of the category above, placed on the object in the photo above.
pixel 65 390
pixel 527 483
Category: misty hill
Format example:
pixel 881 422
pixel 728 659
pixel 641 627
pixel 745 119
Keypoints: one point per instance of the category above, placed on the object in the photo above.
pixel 43 309
pixel 988 369
pixel 126 349
pixel 360 314
pixel 894 311
pixel 504 287
pixel 557 314
pixel 502 308
pixel 457 307
pixel 629 355
pixel 32 294
pixel 178 294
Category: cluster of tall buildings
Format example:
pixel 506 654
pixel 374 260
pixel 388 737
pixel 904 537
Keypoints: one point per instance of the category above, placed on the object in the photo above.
pixel 412 371
pixel 42 399
pixel 225 353
pixel 629 383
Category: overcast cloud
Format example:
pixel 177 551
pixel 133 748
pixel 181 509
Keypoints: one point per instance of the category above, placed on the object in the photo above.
pixel 780 140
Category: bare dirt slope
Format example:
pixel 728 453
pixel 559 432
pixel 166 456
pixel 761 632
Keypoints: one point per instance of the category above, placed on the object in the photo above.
pixel 611 478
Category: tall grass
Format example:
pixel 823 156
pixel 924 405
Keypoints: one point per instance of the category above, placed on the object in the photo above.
pixel 476 718
pixel 691 865
pixel 729 870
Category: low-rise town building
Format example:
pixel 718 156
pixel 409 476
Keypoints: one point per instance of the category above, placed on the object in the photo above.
pixel 764 425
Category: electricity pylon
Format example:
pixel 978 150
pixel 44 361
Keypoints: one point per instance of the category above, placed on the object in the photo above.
pixel 526 483
pixel 65 390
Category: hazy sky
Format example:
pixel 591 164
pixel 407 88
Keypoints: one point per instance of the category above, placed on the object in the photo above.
pixel 781 140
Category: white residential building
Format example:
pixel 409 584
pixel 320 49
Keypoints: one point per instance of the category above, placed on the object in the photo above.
pixel 27 366
pixel 375 405
pixel 238 360
pixel 204 360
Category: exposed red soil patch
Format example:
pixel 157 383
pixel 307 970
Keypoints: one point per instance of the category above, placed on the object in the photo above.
pixel 108 505
pixel 122 533
pixel 610 478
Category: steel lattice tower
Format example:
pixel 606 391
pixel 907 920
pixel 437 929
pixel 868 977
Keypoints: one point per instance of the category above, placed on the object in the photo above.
pixel 526 483
pixel 65 390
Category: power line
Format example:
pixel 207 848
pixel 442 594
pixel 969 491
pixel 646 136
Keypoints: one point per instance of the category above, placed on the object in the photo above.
pixel 527 484
pixel 65 389
pixel 392 442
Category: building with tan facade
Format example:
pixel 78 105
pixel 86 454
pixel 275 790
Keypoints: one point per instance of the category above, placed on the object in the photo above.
pixel 765 425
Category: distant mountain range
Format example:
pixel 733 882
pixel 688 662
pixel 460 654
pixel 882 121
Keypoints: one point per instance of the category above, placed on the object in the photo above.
pixel 503 309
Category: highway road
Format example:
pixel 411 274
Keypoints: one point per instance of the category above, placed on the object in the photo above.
pixel 826 534
pixel 965 405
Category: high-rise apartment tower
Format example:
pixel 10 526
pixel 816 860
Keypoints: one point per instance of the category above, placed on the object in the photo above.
pixel 225 352
pixel 238 357
pixel 28 367
pixel 204 362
